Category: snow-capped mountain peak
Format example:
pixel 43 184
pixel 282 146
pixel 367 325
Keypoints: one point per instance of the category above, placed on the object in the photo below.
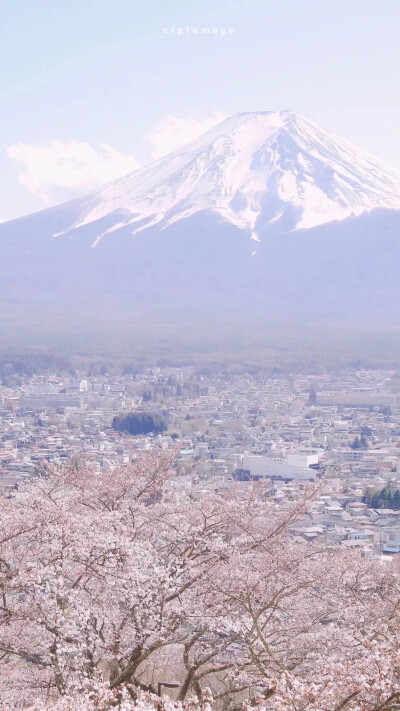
pixel 258 171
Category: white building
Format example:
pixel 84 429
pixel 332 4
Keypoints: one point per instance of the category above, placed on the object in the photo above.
pixel 261 467
pixel 303 459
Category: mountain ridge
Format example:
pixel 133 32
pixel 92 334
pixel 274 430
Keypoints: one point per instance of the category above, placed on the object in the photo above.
pixel 253 169
pixel 265 215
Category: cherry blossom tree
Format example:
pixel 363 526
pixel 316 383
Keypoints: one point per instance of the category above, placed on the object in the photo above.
pixel 106 700
pixel 108 583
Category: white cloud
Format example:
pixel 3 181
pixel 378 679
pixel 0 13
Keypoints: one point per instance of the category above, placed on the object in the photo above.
pixel 55 171
pixel 174 132
pixel 58 170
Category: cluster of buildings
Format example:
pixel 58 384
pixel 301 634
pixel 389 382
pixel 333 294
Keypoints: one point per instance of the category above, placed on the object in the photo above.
pixel 285 429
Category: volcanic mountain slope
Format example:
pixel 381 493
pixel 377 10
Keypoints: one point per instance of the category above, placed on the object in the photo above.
pixel 265 212
pixel 255 170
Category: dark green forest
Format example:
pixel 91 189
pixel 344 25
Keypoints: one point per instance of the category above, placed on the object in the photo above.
pixel 140 422
pixel 386 498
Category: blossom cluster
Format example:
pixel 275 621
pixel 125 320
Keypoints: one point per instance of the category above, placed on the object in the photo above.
pixel 108 586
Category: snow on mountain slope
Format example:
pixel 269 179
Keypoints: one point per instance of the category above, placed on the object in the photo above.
pixel 255 170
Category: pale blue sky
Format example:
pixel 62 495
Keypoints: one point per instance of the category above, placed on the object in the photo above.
pixel 103 71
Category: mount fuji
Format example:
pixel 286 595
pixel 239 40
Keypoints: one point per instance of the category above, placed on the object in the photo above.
pixel 253 170
pixel 266 212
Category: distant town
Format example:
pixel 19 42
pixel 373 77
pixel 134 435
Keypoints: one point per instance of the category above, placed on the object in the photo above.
pixel 288 431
